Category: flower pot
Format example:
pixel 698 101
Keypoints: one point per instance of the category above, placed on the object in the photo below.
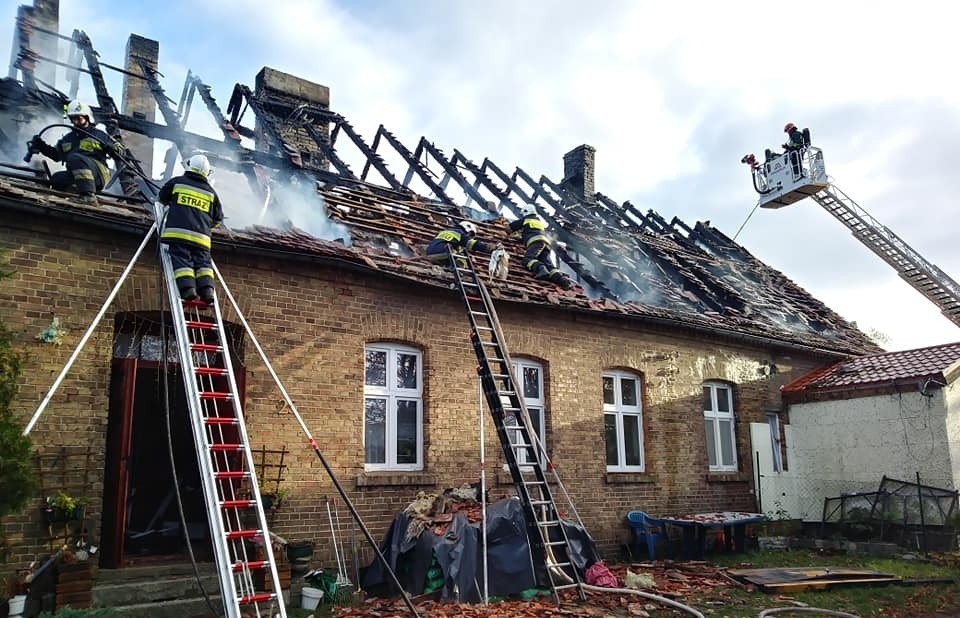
pixel 299 550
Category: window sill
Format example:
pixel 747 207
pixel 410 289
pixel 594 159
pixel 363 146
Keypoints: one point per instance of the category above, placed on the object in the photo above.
pixel 728 477
pixel 395 479
pixel 629 478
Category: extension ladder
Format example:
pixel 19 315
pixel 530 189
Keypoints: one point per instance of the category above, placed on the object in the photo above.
pixel 549 544
pixel 223 452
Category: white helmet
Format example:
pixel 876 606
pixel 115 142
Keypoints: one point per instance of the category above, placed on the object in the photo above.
pixel 528 209
pixel 469 227
pixel 78 108
pixel 198 164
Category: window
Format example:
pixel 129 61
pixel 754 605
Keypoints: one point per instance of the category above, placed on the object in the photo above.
pixel 718 421
pixel 393 408
pixel 773 420
pixel 529 379
pixel 623 422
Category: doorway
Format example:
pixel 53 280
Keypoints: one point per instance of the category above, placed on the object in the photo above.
pixel 141 517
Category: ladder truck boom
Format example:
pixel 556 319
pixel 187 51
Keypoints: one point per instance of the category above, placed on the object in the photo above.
pixel 783 179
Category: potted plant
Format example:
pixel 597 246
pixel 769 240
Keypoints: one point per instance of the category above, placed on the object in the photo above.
pixel 63 507
pixel 273 500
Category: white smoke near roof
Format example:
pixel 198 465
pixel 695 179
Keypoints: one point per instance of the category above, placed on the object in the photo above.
pixel 291 203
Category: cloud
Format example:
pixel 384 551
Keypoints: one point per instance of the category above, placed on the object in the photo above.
pixel 670 94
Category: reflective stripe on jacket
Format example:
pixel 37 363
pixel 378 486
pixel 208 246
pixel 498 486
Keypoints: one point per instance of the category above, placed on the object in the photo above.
pixel 194 210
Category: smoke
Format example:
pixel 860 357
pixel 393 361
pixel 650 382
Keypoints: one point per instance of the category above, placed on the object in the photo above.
pixel 291 203
pixel 19 128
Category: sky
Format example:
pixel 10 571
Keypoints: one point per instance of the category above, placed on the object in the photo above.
pixel 671 94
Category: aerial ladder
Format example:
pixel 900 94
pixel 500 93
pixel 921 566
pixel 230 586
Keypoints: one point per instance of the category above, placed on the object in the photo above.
pixel 794 175
pixel 524 452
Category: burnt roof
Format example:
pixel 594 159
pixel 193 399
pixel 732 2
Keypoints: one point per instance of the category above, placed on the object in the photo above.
pixel 629 264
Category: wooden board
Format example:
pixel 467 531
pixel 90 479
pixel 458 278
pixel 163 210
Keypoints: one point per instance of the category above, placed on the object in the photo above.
pixel 810 578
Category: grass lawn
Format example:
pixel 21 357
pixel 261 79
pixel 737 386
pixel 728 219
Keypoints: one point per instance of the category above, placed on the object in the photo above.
pixel 892 600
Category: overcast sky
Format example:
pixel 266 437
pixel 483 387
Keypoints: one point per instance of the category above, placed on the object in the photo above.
pixel 671 94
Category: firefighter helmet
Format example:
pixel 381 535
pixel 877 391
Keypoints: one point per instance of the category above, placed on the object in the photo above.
pixel 198 164
pixel 469 227
pixel 77 108
pixel 789 127
pixel 528 209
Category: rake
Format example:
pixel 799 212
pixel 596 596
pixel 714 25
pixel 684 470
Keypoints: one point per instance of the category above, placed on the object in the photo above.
pixel 344 585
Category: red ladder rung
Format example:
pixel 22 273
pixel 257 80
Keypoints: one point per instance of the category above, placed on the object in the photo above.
pixel 211 371
pixel 228 475
pixel 242 534
pixel 473 298
pixel 256 598
pixel 237 504
pixel 220 420
pixel 226 448
pixel 214 395
pixel 205 347
pixel 201 324
pixel 253 565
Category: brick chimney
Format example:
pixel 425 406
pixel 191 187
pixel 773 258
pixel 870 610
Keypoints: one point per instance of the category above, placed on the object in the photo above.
pixel 44 14
pixel 138 101
pixel 578 173
pixel 286 95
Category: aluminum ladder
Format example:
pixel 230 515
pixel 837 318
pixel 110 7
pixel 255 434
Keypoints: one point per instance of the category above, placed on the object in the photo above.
pixel 926 278
pixel 547 537
pixel 223 453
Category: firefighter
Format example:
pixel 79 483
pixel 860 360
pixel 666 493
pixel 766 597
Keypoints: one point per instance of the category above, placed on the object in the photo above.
pixel 194 209
pixel 83 151
pixel 797 140
pixel 461 237
pixel 537 256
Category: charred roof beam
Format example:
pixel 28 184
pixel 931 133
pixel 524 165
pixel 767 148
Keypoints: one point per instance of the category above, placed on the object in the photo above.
pixel 451 172
pixel 372 159
pixel 242 93
pixel 511 184
pixel 413 166
pixel 503 197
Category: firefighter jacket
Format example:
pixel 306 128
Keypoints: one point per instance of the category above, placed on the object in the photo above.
pixel 456 237
pixel 531 229
pixel 90 142
pixel 795 140
pixel 194 210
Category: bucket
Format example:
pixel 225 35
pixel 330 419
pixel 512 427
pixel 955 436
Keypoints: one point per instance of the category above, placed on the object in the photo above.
pixel 16 605
pixel 310 597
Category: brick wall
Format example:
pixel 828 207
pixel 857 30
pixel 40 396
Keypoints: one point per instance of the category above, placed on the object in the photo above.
pixel 313 322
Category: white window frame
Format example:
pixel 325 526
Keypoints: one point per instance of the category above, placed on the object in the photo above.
pixel 392 393
pixel 622 412
pixel 773 421
pixel 538 404
pixel 713 416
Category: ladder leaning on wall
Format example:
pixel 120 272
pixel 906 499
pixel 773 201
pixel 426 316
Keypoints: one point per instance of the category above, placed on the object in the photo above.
pixel 546 532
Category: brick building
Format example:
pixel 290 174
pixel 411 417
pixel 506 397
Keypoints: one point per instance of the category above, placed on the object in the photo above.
pixel 644 377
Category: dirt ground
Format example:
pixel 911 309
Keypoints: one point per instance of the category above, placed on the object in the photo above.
pixel 676 581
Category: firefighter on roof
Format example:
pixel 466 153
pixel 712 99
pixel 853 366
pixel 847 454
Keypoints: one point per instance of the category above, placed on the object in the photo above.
pixel 194 209
pixel 537 256
pixel 83 151
pixel 461 237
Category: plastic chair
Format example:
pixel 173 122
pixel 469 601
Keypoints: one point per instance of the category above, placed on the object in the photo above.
pixel 647 529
